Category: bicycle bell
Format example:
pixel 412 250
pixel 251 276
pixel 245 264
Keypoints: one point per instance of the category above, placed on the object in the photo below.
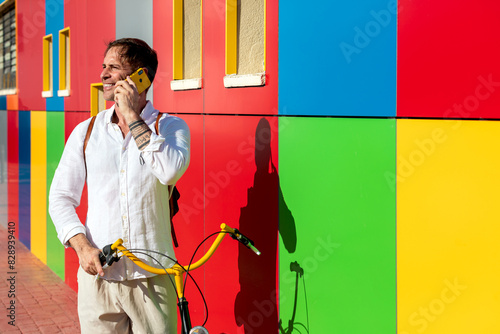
pixel 198 330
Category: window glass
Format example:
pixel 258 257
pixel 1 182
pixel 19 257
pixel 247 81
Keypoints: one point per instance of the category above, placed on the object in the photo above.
pixel 8 49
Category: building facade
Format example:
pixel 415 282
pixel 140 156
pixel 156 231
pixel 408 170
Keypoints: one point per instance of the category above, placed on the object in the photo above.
pixel 357 143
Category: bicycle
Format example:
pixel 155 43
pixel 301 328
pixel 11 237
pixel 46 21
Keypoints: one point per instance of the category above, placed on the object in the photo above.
pixel 111 254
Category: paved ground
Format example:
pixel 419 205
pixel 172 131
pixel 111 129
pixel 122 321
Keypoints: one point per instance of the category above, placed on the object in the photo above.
pixel 43 303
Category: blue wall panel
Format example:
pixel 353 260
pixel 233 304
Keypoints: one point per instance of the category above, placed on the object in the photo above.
pixel 338 58
pixel 54 21
pixel 3 102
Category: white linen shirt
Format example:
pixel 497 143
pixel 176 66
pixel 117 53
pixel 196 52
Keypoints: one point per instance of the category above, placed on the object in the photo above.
pixel 128 191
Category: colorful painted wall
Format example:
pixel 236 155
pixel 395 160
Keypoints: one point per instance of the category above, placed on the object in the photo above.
pixel 365 169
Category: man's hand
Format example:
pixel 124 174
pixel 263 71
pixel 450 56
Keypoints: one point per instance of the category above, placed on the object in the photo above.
pixel 87 254
pixel 127 99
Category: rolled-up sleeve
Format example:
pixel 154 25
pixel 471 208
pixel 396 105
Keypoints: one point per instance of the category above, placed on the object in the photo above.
pixel 168 152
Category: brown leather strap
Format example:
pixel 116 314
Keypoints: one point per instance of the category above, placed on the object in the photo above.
pixel 158 122
pixel 87 136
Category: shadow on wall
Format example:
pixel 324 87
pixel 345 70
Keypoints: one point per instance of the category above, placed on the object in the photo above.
pixel 293 326
pixel 265 215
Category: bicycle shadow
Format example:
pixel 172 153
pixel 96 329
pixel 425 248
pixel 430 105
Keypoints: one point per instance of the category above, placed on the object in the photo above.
pixel 264 217
pixel 291 325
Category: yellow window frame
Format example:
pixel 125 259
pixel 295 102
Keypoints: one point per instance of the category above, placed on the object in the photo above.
pixel 64 62
pixel 97 102
pixel 47 66
pixel 177 38
pixel 231 37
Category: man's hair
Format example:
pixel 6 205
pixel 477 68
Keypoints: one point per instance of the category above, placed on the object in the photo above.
pixel 137 53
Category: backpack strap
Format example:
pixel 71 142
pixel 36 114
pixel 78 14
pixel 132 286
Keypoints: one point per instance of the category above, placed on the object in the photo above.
pixel 174 194
pixel 158 122
pixel 174 208
pixel 85 142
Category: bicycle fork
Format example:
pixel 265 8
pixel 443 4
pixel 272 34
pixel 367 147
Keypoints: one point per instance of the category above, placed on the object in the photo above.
pixel 183 303
pixel 184 314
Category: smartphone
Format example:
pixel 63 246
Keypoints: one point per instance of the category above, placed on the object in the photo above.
pixel 141 80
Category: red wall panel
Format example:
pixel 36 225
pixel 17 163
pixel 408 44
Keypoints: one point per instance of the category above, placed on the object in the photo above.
pixel 213 95
pixel 189 221
pixel 447 61
pixel 30 31
pixel 241 191
pixel 92 26
pixel 165 99
pixel 254 100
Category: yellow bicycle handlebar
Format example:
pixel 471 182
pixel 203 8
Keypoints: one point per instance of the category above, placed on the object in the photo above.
pixel 176 269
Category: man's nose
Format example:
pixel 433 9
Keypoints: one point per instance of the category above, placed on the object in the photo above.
pixel 104 73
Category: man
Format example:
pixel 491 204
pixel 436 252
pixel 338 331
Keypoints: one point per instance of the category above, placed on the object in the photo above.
pixel 130 171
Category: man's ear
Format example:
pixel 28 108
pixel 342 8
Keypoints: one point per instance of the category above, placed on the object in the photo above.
pixel 147 73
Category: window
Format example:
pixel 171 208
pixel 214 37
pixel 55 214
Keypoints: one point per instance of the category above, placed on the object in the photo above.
pixel 8 48
pixel 186 45
pixel 245 43
pixel 97 102
pixel 47 66
pixel 64 68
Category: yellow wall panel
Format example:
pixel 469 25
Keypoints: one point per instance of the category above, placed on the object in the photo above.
pixel 448 226
pixel 39 184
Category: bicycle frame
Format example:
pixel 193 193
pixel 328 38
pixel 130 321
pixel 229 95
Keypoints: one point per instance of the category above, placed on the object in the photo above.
pixel 178 271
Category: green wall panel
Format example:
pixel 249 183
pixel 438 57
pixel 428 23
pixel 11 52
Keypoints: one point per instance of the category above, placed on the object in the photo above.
pixel 55 146
pixel 336 194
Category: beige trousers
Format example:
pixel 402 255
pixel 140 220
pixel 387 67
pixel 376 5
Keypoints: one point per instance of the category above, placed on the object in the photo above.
pixel 137 306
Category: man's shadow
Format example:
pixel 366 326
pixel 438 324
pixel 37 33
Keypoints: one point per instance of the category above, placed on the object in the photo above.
pixel 265 215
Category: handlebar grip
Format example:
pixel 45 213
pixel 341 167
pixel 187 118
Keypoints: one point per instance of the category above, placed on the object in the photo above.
pixel 237 235
pixel 102 258
pixel 108 256
pixel 255 250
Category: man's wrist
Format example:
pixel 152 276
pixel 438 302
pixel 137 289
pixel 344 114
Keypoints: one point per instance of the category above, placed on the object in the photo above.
pixel 132 117
pixel 135 123
pixel 141 133
pixel 79 242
